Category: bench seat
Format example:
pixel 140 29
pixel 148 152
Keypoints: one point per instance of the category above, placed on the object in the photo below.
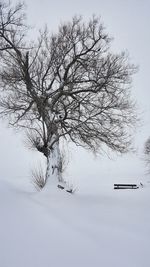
pixel 125 186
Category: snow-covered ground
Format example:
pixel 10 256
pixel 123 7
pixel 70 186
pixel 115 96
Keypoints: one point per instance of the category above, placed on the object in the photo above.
pixel 97 226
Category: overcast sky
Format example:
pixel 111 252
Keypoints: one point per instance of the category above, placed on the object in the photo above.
pixel 128 22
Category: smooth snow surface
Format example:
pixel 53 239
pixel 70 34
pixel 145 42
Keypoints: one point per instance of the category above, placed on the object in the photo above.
pixel 92 228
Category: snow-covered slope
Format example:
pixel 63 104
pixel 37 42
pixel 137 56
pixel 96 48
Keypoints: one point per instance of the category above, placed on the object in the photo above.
pixel 91 228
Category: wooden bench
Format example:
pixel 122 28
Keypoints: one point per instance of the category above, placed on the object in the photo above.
pixel 125 186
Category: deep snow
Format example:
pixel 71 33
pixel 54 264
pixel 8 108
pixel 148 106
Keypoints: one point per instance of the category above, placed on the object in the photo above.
pixel 92 228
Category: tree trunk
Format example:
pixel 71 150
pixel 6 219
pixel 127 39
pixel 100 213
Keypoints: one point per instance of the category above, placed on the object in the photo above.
pixel 54 166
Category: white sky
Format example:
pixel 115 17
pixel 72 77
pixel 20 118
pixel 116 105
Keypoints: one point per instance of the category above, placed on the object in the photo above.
pixel 128 22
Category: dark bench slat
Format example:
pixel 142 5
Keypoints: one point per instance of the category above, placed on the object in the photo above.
pixel 125 184
pixel 126 187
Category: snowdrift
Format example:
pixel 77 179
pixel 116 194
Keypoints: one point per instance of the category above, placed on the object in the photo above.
pixel 88 229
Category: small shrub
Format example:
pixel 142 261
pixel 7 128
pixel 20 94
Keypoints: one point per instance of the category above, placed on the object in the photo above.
pixel 38 178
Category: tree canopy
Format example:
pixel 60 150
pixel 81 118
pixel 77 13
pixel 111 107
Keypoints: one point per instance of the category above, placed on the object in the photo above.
pixel 66 84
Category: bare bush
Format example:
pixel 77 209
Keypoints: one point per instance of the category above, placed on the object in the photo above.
pixel 147 154
pixel 38 178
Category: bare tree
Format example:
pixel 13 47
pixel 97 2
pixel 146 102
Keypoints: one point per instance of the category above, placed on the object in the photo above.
pixel 65 85
pixel 147 153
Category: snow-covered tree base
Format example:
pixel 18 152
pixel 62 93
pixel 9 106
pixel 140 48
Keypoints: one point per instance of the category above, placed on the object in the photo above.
pixel 54 169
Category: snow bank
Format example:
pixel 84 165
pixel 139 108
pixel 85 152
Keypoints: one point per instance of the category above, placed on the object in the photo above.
pixel 104 227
